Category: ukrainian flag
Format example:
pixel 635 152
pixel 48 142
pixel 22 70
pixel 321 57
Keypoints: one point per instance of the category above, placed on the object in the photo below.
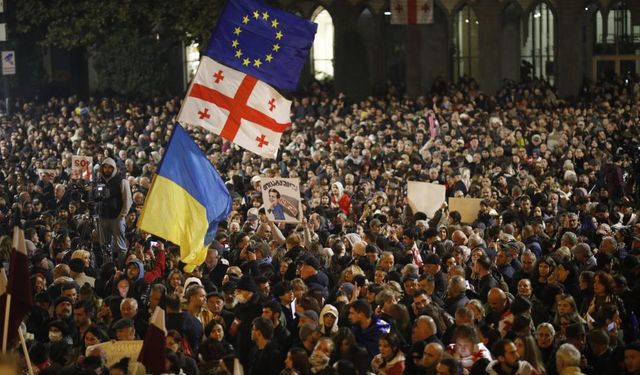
pixel 187 199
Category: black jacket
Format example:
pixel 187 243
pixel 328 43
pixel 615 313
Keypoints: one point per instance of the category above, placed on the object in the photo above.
pixel 268 361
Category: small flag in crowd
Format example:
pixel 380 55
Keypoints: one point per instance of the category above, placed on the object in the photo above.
pixel 236 106
pixel 18 288
pixel 152 355
pixel 264 42
pixel 411 12
pixel 187 199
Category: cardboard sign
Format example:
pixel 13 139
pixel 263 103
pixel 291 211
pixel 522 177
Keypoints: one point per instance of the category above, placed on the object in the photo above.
pixel 116 350
pixel 281 199
pixel 81 167
pixel 468 208
pixel 425 197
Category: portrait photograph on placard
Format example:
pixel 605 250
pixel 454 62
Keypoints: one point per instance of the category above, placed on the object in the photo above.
pixel 281 197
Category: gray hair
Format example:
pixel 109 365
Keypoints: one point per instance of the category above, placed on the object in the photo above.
pixel 569 355
pixel 132 301
pixel 159 288
pixel 570 237
pixel 457 284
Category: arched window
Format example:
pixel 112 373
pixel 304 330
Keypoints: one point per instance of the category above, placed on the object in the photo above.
pixel 599 27
pixel 466 41
pixel 191 62
pixel 538 42
pixel 323 45
pixel 619 23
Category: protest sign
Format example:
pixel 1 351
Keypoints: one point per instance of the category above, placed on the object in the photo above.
pixel 81 167
pixel 116 350
pixel 425 197
pixel 468 208
pixel 281 198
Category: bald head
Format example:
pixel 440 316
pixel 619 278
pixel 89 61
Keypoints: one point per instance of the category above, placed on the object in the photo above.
pixel 432 355
pixel 459 238
pixel 497 299
pixel 423 328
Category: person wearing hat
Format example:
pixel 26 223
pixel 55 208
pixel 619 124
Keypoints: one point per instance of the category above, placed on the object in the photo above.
pixel 432 267
pixel 115 207
pixel 312 275
pixel 248 308
pixel 124 329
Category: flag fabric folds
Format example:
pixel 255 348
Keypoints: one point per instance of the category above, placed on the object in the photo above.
pixel 265 42
pixel 236 106
pixel 18 286
pixel 152 355
pixel 187 199
pixel 411 12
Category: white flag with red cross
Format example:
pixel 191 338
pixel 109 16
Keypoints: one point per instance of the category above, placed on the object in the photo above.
pixel 238 107
pixel 411 12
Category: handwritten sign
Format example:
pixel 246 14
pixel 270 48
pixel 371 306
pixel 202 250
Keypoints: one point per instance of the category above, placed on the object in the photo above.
pixel 81 167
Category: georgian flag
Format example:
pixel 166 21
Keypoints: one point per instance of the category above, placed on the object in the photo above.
pixel 411 12
pixel 238 107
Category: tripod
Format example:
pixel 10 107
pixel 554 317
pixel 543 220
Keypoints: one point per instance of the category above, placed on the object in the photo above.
pixel 93 235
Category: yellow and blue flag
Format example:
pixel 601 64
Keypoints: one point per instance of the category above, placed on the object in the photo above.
pixel 187 199
pixel 261 41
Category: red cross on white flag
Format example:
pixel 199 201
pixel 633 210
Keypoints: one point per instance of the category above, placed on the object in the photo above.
pixel 411 12
pixel 236 106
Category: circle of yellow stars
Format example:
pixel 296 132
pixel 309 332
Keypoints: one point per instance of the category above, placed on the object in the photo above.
pixel 268 58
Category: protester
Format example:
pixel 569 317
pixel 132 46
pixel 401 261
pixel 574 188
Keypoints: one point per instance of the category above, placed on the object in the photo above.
pixel 365 283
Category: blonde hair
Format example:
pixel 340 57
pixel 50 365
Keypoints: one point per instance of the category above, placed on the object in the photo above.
pixel 81 254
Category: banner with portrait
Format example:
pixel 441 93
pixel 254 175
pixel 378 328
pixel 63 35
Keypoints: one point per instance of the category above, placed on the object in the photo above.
pixel 281 199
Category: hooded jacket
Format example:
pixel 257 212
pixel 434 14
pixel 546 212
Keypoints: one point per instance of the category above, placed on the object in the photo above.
pixel 342 200
pixel 334 328
pixel 139 287
pixel 120 200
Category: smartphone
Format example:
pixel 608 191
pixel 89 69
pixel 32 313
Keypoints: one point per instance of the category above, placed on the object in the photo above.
pixel 153 244
pixel 611 326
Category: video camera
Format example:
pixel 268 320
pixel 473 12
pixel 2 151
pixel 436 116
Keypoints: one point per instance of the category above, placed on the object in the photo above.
pixel 88 192
pixel 99 192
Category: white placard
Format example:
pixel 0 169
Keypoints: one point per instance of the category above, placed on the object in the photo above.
pixel 425 197
pixel 8 63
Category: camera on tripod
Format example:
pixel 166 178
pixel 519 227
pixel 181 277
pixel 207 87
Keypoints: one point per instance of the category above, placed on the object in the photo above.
pixel 99 192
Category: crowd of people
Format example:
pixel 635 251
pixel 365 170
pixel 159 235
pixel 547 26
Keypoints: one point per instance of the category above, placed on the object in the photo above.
pixel 544 281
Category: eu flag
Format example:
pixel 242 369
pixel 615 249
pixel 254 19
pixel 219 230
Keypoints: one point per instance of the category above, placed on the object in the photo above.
pixel 265 42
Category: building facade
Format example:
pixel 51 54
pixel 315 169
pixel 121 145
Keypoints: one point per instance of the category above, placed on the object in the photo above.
pixel 563 41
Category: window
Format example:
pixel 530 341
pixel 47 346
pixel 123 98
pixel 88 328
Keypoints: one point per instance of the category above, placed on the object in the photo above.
pixel 466 42
pixel 538 43
pixel 191 61
pixel 322 51
pixel 599 28
pixel 618 23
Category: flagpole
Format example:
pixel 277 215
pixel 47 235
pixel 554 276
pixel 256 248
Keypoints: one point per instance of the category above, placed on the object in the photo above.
pixel 5 330
pixel 26 352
